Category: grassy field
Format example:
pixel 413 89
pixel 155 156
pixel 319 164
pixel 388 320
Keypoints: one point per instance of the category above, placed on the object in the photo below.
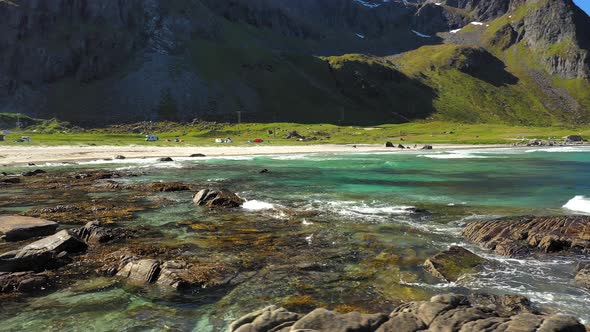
pixel 204 135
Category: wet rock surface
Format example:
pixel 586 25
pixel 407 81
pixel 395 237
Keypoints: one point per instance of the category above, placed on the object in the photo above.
pixel 217 198
pixel 582 277
pixel 161 187
pixel 16 228
pixel 94 233
pixel 451 264
pixel 447 312
pixel 47 253
pixel 520 236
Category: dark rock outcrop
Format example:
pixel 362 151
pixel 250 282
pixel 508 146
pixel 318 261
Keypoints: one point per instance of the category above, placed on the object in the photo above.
pixel 556 31
pixel 447 312
pixel 517 236
pixel 432 18
pixel 480 9
pixel 48 253
pixel 94 233
pixel 221 198
pixel 16 228
pixel 451 264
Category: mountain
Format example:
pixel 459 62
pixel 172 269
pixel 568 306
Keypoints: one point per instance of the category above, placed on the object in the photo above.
pixel 338 61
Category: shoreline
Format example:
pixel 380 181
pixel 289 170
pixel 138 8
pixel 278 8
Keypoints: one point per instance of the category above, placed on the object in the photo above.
pixel 22 155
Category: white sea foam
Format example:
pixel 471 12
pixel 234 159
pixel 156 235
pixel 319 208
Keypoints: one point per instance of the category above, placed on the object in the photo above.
pixel 453 155
pixel 255 205
pixel 561 149
pixel 578 204
pixel 356 209
pixel 291 157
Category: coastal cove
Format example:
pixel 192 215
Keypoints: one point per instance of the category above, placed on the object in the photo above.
pixel 343 228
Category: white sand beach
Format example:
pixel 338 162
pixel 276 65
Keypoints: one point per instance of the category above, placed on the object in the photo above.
pixel 16 155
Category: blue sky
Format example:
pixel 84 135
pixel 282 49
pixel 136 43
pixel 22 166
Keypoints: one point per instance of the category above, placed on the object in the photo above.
pixel 584 4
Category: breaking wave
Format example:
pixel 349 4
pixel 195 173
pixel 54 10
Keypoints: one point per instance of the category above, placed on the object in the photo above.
pixel 578 204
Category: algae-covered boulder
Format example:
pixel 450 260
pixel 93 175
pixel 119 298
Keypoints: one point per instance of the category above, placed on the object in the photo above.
pixel 451 264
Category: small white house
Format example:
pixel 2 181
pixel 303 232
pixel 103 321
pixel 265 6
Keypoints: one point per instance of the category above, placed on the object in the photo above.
pixel 26 138
pixel 219 140
pixel 151 138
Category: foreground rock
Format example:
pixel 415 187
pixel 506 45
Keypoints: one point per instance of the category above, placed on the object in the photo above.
pixel 172 275
pixel 16 228
pixel 442 313
pixel 221 198
pixel 518 236
pixel 48 253
pixel 451 264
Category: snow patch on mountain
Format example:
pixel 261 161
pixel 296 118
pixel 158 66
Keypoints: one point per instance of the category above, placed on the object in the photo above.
pixel 371 4
pixel 421 34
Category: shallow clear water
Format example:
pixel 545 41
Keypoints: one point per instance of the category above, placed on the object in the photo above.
pixel 345 212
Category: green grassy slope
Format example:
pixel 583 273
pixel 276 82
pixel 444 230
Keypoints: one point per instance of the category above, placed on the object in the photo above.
pixel 204 134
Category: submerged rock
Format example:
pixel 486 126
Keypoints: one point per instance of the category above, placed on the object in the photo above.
pixel 16 228
pixel 221 198
pixel 447 312
pixel 23 282
pixel 48 253
pixel 165 159
pixel 582 278
pixel 517 236
pixel 197 155
pixel 161 187
pixel 9 180
pixel 33 173
pixel 450 265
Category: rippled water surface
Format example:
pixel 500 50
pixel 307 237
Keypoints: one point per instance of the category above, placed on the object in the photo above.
pixel 334 230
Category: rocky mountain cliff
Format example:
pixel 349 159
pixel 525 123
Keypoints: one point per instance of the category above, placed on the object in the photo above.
pixel 96 62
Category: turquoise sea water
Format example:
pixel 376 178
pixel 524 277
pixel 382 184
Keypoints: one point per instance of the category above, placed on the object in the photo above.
pixel 349 216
